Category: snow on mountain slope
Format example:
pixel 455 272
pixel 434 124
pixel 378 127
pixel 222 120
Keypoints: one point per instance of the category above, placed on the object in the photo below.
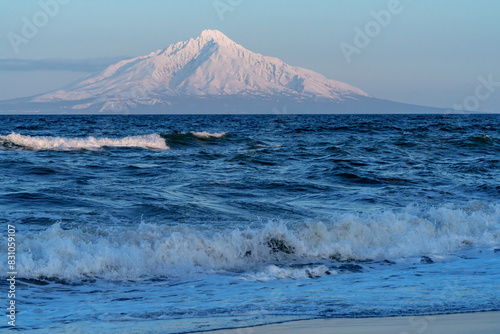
pixel 210 65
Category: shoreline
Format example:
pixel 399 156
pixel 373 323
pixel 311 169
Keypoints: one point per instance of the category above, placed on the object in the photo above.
pixel 487 322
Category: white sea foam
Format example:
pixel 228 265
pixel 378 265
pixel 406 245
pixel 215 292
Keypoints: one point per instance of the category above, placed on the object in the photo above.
pixel 151 250
pixel 208 134
pixel 273 272
pixel 152 141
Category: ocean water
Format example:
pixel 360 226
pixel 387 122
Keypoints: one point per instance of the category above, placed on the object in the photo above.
pixel 175 224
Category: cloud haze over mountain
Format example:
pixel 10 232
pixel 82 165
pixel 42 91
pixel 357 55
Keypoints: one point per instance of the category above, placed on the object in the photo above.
pixel 72 65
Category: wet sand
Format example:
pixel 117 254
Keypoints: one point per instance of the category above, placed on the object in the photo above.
pixel 465 323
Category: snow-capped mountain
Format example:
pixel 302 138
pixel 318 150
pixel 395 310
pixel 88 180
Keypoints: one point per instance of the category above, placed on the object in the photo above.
pixel 212 65
pixel 210 74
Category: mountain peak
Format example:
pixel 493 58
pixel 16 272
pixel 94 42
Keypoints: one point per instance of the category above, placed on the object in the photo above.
pixel 209 33
pixel 214 35
pixel 210 65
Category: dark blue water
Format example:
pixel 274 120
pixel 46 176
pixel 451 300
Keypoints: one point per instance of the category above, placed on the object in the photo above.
pixel 184 223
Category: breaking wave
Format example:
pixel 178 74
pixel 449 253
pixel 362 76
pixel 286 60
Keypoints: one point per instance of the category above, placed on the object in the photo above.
pixel 153 141
pixel 208 134
pixel 154 250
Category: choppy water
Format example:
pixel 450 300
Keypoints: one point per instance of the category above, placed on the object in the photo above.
pixel 173 224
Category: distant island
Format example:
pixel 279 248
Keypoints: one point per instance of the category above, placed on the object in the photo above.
pixel 210 74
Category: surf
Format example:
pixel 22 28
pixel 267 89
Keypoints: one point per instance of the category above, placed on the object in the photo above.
pixel 152 142
pixel 151 250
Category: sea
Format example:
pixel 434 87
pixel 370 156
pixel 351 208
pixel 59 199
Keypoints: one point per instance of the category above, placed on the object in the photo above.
pixel 185 223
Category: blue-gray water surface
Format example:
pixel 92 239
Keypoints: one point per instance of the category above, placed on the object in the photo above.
pixel 175 223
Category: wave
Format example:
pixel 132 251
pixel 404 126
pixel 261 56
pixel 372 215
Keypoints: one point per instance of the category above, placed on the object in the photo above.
pixel 153 141
pixel 153 250
pixel 208 134
pixel 192 138
pixel 274 272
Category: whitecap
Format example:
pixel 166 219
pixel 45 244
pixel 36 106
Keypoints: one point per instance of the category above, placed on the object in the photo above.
pixel 152 141
pixel 208 134
pixel 156 250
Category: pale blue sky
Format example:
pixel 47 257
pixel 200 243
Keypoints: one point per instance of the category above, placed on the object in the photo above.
pixel 431 53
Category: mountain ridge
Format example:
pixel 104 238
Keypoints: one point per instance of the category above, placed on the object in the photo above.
pixel 210 65
pixel 208 74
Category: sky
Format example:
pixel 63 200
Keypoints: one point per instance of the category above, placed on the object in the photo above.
pixel 441 53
